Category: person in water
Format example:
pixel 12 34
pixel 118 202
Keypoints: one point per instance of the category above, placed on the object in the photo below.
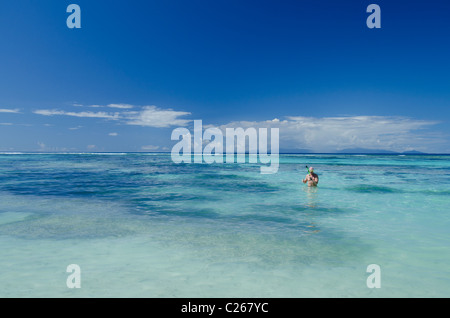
pixel 311 178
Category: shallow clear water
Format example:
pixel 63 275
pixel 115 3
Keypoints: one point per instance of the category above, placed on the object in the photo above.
pixel 139 225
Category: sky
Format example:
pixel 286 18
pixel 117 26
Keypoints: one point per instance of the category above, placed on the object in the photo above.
pixel 137 70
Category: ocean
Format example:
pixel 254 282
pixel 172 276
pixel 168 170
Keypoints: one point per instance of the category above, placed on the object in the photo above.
pixel 139 225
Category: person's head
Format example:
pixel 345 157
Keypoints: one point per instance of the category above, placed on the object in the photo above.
pixel 311 169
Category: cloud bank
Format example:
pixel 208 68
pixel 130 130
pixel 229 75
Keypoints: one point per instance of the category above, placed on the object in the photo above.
pixel 329 134
pixel 148 116
pixel 86 114
pixel 7 110
pixel 153 116
pixel 297 133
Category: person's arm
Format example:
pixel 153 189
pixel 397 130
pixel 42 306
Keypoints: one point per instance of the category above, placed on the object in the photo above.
pixel 306 179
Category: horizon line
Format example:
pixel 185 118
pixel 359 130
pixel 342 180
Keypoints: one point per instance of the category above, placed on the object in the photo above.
pixel 168 152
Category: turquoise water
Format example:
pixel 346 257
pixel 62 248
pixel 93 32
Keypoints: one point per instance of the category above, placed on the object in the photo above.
pixel 139 225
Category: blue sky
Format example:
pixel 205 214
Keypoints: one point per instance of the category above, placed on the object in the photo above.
pixel 136 70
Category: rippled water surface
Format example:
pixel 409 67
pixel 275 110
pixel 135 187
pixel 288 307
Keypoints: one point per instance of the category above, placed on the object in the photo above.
pixel 139 225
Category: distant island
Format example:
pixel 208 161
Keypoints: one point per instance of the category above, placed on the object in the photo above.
pixel 379 151
pixel 355 151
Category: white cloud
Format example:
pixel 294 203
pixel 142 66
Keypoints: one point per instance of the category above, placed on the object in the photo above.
pixel 150 148
pixel 152 116
pixel 149 116
pixel 86 114
pixel 122 106
pixel 41 145
pixel 113 134
pixel 7 110
pixel 338 133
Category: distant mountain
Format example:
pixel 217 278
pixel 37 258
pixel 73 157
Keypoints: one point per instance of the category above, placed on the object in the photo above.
pixel 413 152
pixel 353 151
pixel 380 151
pixel 363 150
pixel 294 151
